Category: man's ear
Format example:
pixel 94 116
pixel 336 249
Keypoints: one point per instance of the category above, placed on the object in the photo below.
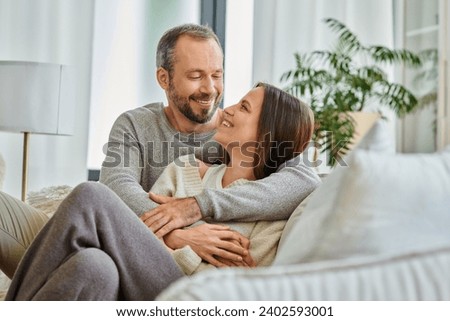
pixel 162 75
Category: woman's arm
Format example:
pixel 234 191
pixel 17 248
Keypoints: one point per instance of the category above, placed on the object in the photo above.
pixel 215 244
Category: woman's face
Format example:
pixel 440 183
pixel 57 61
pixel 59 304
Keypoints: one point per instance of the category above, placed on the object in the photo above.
pixel 239 123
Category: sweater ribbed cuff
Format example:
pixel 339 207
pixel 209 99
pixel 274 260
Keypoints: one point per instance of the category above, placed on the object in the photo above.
pixel 205 204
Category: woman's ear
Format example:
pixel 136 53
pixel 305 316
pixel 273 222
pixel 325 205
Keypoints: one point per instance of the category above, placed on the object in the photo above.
pixel 162 76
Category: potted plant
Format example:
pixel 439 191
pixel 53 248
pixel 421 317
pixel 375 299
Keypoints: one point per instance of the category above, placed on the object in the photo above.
pixel 344 80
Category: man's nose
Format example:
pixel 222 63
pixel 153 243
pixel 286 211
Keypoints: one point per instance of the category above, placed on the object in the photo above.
pixel 207 85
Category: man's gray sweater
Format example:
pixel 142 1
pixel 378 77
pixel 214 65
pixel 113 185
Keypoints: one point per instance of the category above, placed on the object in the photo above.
pixel 142 143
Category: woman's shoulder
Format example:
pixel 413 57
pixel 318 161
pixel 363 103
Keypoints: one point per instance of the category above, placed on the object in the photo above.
pixel 190 161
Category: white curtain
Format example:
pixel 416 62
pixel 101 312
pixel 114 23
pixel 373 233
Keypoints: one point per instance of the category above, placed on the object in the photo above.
pixel 283 27
pixel 417 131
pixel 57 32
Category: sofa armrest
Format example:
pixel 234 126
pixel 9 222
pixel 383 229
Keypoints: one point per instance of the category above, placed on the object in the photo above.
pixel 411 276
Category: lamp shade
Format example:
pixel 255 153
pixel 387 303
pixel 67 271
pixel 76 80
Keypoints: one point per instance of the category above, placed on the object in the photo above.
pixel 36 98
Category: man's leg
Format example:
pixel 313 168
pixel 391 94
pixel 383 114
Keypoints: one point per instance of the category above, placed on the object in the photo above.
pixel 93 216
pixel 87 275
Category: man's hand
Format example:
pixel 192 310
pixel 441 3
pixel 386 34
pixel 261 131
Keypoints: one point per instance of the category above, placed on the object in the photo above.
pixel 215 244
pixel 173 213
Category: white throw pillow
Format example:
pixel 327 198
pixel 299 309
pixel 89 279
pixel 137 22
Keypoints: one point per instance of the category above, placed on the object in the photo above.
pixel 381 203
pixel 376 139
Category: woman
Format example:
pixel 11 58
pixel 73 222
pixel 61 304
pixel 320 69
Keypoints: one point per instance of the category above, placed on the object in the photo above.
pixel 95 248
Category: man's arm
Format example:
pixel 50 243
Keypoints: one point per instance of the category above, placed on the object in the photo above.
pixel 122 168
pixel 272 198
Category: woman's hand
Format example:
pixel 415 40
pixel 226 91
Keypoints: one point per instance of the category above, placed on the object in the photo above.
pixel 247 261
pixel 215 244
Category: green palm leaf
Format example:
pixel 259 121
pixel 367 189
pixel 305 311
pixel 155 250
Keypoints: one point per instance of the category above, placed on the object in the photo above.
pixel 345 79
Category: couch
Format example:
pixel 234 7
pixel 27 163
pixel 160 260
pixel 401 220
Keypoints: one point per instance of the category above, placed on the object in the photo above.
pixel 376 229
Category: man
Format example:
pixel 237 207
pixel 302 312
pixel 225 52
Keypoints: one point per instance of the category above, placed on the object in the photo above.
pixel 145 140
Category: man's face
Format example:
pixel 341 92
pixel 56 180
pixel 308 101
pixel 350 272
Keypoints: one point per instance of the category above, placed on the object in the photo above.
pixel 196 82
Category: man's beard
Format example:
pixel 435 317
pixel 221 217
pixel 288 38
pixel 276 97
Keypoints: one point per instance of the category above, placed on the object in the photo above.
pixel 185 108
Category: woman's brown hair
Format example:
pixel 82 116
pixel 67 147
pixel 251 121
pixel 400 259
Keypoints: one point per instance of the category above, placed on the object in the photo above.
pixel 285 128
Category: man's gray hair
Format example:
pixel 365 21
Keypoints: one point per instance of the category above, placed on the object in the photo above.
pixel 165 50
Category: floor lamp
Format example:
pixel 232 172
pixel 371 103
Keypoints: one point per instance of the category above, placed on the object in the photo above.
pixel 35 98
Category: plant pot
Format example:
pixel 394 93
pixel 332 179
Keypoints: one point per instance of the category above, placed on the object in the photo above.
pixel 363 123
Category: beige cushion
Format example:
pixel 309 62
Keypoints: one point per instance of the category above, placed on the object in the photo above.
pixel 379 138
pixel 19 223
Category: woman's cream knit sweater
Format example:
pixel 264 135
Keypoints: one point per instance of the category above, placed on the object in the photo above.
pixel 181 178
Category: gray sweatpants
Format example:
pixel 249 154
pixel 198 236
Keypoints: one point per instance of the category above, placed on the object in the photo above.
pixel 93 248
